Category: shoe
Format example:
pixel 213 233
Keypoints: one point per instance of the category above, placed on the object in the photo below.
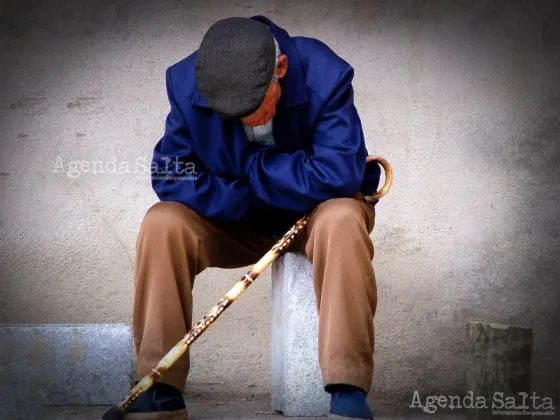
pixel 349 404
pixel 161 401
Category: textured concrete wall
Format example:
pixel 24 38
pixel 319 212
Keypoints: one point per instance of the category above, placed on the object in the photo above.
pixel 462 97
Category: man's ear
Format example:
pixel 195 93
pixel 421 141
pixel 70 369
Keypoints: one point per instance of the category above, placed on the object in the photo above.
pixel 282 66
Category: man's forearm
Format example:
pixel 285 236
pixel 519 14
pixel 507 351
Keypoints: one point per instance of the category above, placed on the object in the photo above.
pixel 297 181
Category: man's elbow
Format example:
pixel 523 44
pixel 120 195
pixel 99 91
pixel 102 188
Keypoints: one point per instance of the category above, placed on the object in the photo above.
pixel 350 187
pixel 351 182
pixel 346 183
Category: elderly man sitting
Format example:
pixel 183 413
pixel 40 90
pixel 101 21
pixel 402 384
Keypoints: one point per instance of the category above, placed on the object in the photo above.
pixel 262 129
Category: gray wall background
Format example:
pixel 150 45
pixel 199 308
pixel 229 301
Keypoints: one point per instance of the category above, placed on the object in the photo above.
pixel 462 98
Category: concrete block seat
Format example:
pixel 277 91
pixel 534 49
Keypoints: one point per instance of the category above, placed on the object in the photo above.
pixel 297 384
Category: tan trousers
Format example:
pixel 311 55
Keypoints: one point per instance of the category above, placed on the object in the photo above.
pixel 175 244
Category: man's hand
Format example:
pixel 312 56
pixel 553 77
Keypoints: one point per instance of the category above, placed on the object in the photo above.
pixel 359 196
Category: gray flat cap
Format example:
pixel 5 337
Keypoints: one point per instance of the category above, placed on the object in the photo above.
pixel 235 65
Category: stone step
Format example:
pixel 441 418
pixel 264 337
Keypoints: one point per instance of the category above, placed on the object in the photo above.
pixel 63 364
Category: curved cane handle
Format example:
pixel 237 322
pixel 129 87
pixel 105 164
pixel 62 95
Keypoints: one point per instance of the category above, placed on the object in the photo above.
pixel 388 178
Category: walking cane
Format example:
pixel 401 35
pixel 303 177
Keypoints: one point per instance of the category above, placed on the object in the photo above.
pixel 117 412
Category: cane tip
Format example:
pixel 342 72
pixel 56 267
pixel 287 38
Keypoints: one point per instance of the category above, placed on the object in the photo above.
pixel 113 414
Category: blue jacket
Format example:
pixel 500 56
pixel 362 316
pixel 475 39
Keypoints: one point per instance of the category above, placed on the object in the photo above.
pixel 319 153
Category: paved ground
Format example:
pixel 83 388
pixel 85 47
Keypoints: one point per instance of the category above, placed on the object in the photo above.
pixel 200 409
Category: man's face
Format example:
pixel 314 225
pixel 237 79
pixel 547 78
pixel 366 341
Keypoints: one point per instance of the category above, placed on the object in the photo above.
pixel 267 110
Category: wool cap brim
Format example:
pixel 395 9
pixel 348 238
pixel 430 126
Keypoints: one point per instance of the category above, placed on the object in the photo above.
pixel 235 65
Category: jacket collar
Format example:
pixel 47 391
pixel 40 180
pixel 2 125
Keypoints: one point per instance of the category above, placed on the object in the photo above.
pixel 293 86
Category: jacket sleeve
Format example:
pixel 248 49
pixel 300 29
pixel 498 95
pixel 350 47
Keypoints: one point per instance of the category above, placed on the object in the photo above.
pixel 177 174
pixel 334 167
